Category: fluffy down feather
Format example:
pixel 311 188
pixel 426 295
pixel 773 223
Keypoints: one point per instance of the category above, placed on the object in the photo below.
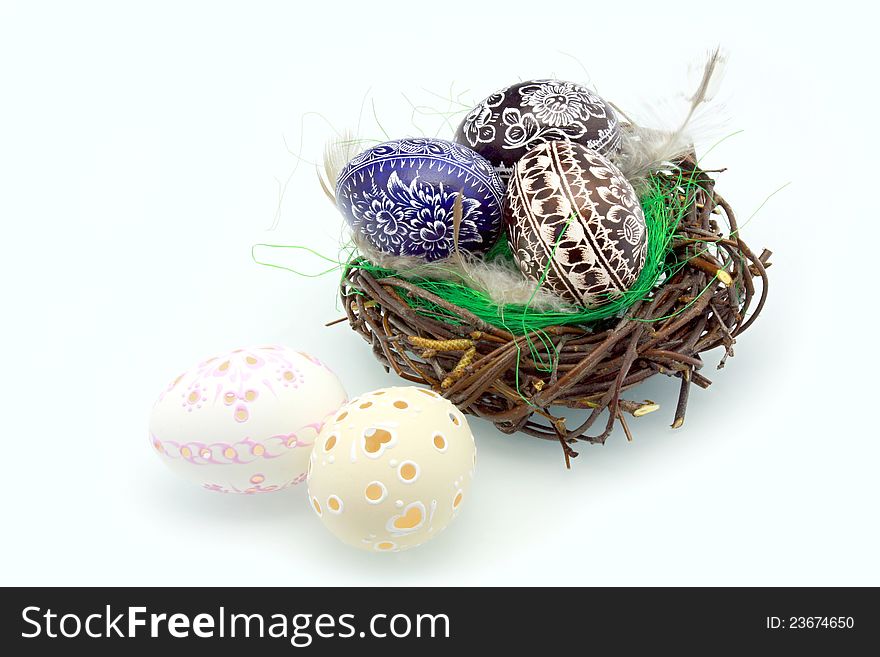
pixel 647 150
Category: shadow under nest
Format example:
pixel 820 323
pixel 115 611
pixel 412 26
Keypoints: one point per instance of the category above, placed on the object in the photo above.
pixel 706 301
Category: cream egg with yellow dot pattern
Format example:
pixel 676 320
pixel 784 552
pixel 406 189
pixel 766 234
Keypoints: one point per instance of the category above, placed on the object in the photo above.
pixel 245 421
pixel 391 469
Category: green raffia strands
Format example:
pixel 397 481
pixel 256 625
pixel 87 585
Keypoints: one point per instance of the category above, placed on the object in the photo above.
pixel 665 203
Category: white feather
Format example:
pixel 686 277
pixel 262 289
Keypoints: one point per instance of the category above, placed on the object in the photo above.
pixel 646 150
pixel 499 279
pixel 337 153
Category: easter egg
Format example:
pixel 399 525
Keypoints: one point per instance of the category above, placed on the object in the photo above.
pixel 512 121
pixel 244 421
pixel 391 469
pixel 400 197
pixel 571 213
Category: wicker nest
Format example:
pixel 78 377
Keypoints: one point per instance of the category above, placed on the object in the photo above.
pixel 488 372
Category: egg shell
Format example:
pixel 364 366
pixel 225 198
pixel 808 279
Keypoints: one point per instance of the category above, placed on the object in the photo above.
pixel 245 421
pixel 392 468
pixel 512 121
pixel 562 186
pixel 399 196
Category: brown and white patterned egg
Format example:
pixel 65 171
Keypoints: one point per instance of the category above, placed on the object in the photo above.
pixel 513 120
pixel 570 212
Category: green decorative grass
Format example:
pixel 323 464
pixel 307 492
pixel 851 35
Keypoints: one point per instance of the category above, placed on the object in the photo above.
pixel 665 202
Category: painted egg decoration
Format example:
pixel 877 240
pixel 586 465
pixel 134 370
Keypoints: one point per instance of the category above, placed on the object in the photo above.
pixel 400 196
pixel 244 421
pixel 571 213
pixel 512 121
pixel 391 469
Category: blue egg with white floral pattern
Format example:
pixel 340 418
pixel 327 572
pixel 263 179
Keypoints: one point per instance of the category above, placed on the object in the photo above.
pixel 400 197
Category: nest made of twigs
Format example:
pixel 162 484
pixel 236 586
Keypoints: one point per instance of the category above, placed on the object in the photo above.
pixel 514 381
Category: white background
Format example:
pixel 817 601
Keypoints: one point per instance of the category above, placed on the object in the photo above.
pixel 139 151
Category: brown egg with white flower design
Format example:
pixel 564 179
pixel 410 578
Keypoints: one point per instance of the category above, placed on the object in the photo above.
pixel 506 125
pixel 575 224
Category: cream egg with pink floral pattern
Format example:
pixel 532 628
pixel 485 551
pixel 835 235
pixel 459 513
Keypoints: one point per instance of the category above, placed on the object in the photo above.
pixel 391 468
pixel 245 421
